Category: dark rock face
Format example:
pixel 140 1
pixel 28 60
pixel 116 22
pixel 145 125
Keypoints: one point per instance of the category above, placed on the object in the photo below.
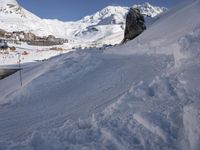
pixel 135 24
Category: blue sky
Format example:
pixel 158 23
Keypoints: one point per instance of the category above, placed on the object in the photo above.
pixel 70 10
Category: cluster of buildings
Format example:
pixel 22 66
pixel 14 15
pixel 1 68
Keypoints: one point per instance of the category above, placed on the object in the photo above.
pixel 30 38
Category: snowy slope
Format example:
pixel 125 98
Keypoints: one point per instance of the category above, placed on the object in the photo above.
pixel 141 95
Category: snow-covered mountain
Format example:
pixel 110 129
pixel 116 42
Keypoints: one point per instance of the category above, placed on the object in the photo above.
pixel 108 15
pixel 117 14
pixel 149 10
pixel 10 9
pixel 141 95
pixel 13 17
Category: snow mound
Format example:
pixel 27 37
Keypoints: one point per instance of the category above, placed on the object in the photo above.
pixel 191 120
pixel 131 96
pixel 132 122
pixel 190 43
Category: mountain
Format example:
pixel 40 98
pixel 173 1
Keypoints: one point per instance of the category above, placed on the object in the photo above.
pixel 101 25
pixel 117 14
pixel 10 9
pixel 149 10
pixel 108 15
pixel 144 94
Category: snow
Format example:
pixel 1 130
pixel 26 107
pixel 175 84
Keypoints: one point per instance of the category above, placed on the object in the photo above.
pixel 191 120
pixel 12 10
pixel 149 10
pixel 34 53
pixel 140 95
pixel 108 15
pixel 14 2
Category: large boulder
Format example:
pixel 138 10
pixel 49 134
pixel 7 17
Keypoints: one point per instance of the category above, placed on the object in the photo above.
pixel 135 24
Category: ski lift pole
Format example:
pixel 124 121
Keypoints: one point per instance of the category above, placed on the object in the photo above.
pixel 20 69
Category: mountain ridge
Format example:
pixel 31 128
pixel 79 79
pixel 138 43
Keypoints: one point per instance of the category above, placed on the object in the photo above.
pixel 14 17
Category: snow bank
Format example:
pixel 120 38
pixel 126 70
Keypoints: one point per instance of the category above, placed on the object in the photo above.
pixel 58 69
pixel 166 34
pixel 190 43
pixel 191 121
pixel 141 101
pixel 139 119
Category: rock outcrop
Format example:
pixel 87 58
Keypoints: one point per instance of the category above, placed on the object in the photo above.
pixel 135 24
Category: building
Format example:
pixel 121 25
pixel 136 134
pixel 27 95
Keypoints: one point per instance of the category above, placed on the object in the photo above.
pixel 2 33
pixel 3 44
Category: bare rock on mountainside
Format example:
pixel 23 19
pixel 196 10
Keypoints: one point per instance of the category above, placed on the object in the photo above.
pixel 135 24
pixel 2 32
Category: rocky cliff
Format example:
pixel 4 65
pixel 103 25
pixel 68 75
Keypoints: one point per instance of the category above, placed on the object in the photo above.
pixel 135 24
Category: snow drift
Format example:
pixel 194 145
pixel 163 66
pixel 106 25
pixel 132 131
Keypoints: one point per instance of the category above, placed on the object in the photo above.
pixel 141 95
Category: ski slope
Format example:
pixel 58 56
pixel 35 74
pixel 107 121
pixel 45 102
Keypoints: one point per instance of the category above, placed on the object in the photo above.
pixel 140 95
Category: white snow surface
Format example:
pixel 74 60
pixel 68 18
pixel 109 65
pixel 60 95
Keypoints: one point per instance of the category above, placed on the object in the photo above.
pixel 141 95
pixel 14 2
pixel 34 53
pixel 149 10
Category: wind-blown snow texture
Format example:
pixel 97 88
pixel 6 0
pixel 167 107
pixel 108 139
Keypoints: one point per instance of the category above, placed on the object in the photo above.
pixel 141 95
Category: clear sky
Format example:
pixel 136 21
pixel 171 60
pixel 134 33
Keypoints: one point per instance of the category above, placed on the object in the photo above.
pixel 71 10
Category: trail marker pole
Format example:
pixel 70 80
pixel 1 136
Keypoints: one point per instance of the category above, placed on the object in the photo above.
pixel 20 69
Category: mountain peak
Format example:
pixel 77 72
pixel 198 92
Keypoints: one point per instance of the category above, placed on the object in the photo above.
pixel 150 10
pixel 11 9
pixel 12 2
pixel 117 14
pixel 147 4
pixel 108 15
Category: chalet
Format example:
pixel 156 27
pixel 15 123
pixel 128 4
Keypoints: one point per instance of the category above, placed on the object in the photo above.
pixel 3 44
pixel 29 36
